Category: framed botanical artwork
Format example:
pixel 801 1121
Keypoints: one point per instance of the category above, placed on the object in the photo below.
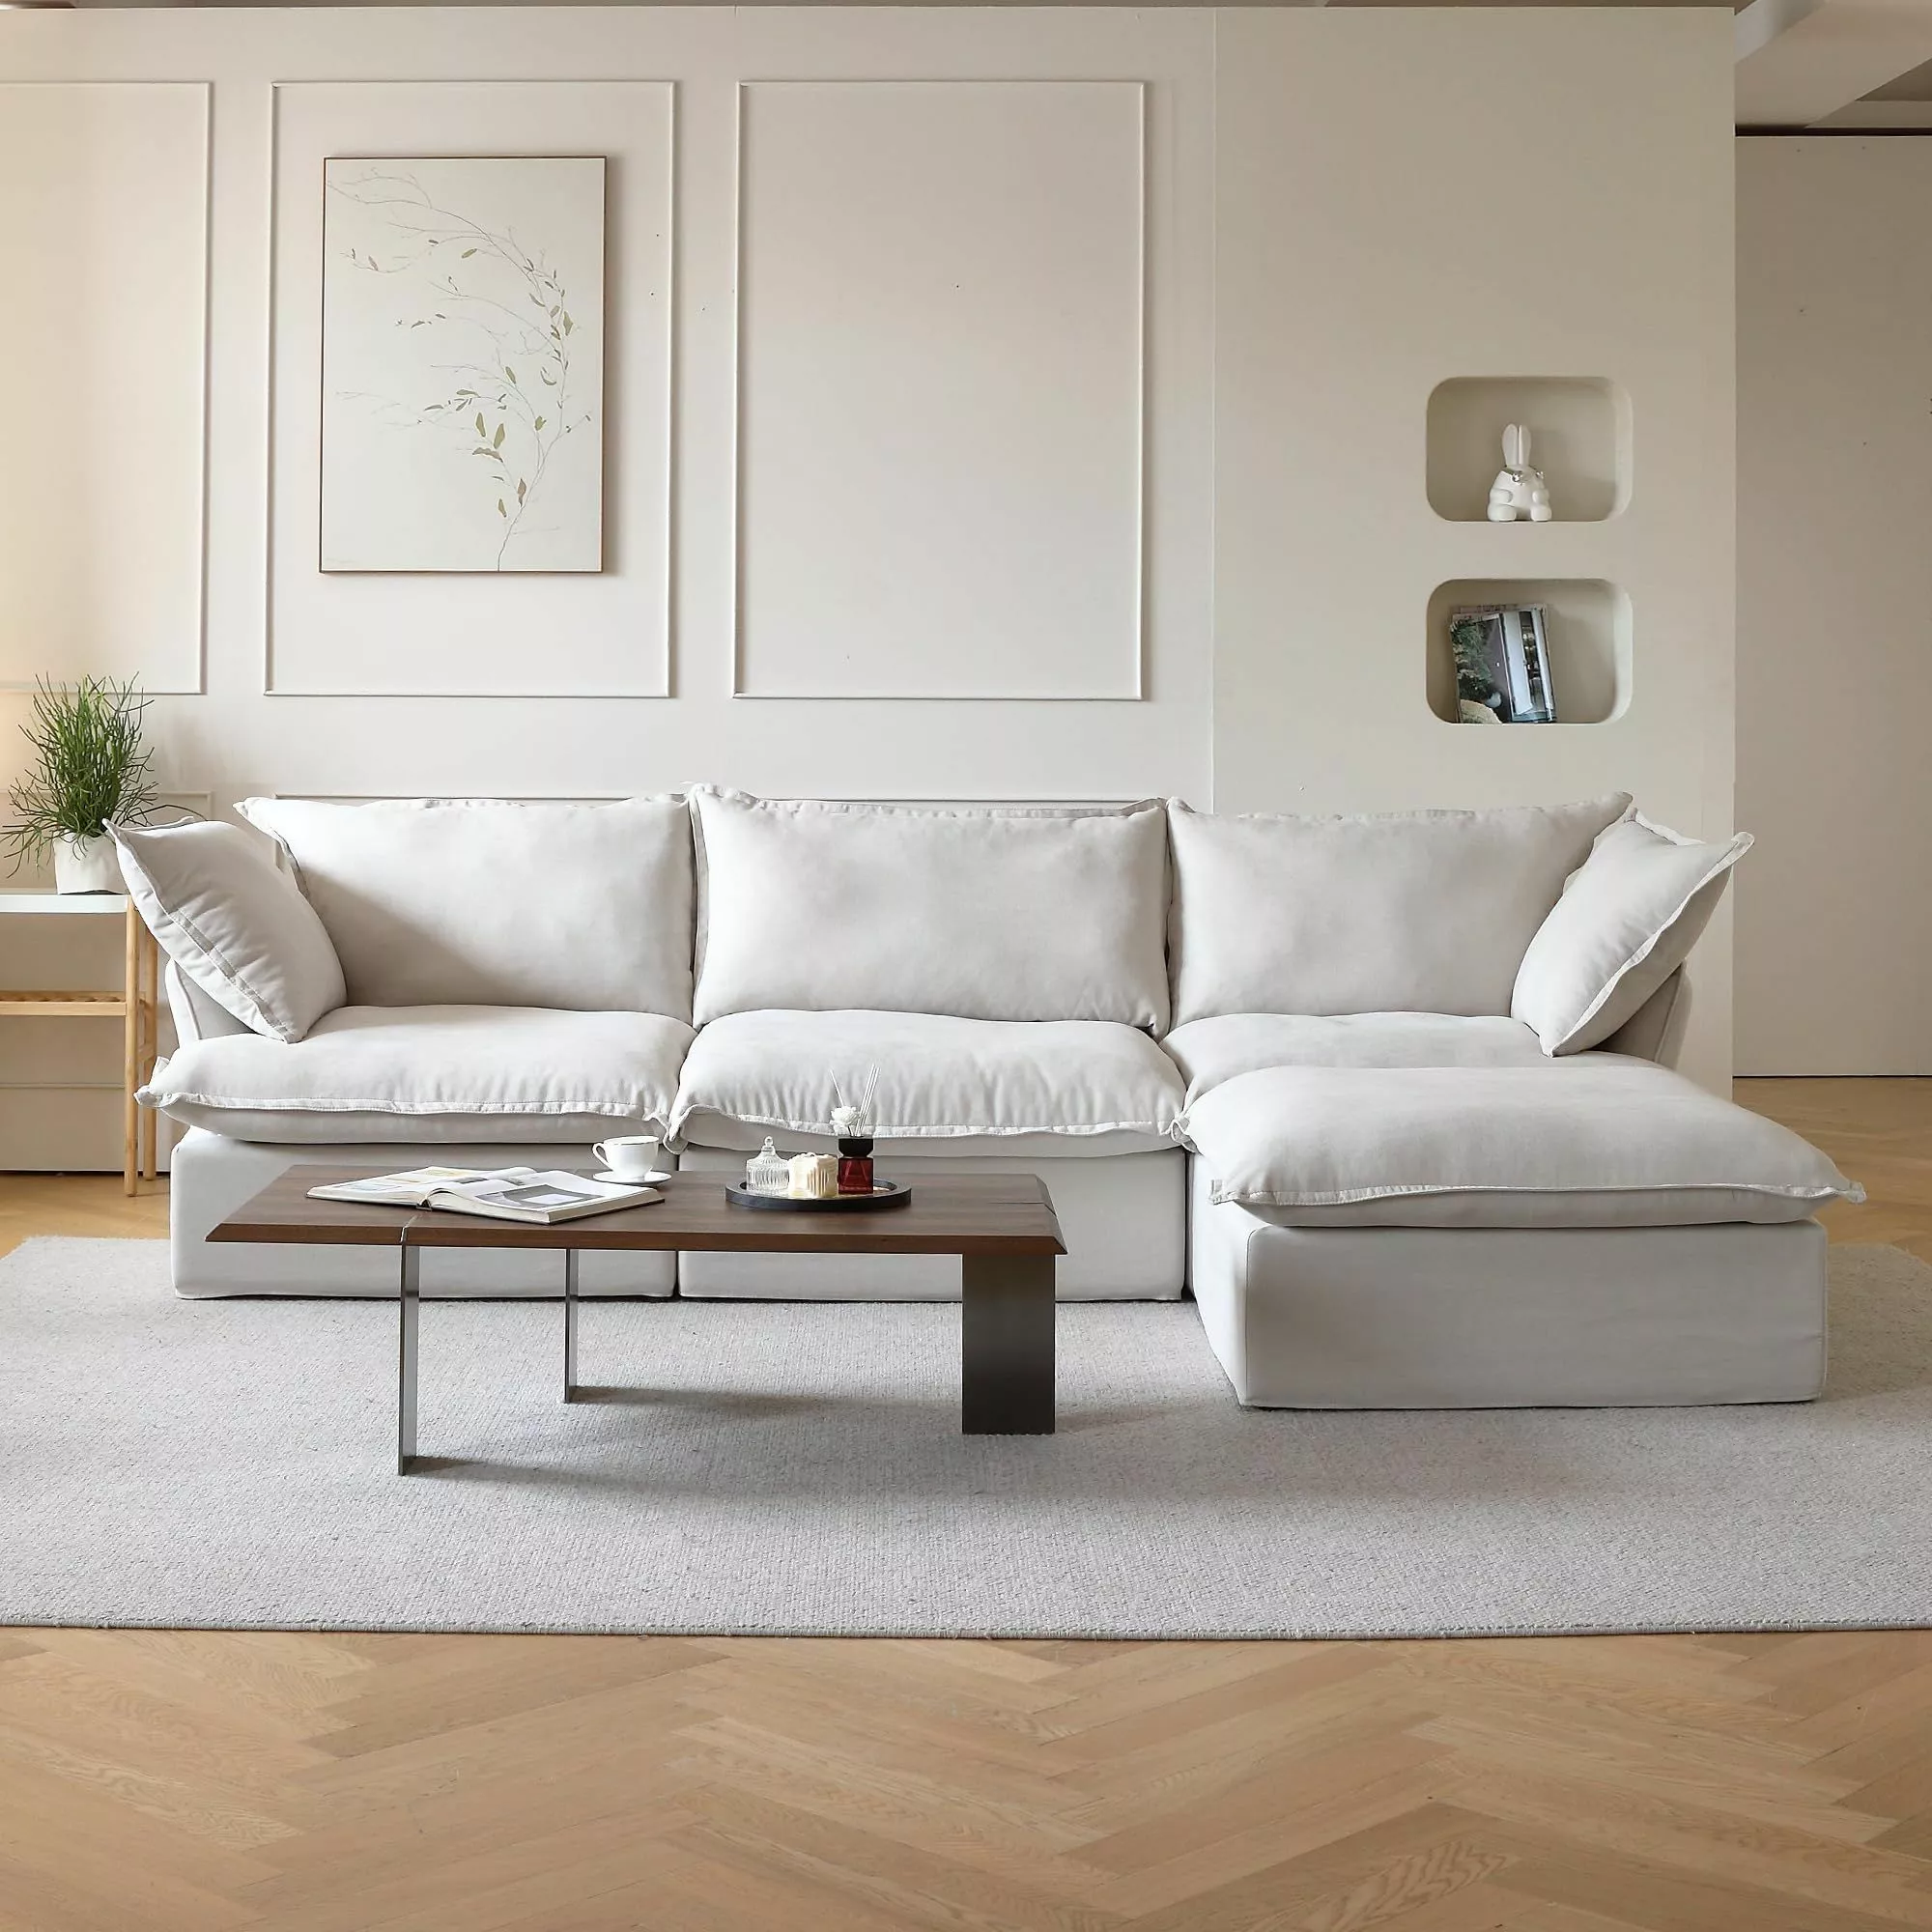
pixel 463 364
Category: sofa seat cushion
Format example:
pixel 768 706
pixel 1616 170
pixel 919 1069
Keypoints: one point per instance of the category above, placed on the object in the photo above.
pixel 1212 1052
pixel 426 1073
pixel 1070 1087
pixel 1592 1141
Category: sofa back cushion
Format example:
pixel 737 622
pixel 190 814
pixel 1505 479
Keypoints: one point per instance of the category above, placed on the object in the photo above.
pixel 583 908
pixel 980 912
pixel 1412 912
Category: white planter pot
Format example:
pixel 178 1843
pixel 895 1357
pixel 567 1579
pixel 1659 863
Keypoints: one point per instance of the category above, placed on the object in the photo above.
pixel 87 866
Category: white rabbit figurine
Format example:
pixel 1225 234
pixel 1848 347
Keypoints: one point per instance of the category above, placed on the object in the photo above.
pixel 1519 491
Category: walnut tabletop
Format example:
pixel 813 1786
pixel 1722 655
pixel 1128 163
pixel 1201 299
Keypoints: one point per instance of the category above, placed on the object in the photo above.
pixel 284 1214
pixel 992 1215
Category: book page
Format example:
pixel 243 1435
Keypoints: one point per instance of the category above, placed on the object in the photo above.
pixel 543 1195
pixel 414 1185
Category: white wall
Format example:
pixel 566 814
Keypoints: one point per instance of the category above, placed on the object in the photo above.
pixel 1834 603
pixel 269 613
pixel 957 538
pixel 1368 253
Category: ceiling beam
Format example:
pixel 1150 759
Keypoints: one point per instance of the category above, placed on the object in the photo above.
pixel 1802 60
pixel 1883 117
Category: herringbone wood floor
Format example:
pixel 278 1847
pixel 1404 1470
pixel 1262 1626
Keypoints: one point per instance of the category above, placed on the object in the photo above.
pixel 163 1780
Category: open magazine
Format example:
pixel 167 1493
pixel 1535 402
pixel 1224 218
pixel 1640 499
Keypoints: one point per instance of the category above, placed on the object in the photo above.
pixel 498 1193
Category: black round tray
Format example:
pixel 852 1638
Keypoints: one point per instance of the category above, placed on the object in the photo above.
pixel 886 1194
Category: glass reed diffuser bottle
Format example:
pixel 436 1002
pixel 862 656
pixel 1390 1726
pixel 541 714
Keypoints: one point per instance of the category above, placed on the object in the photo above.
pixel 853 1126
pixel 855 1150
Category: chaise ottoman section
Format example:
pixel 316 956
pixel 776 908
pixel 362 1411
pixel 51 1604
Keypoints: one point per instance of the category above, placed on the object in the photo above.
pixel 1593 1231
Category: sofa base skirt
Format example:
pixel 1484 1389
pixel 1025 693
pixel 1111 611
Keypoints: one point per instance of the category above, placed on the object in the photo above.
pixel 214 1176
pixel 1478 1318
pixel 1123 1218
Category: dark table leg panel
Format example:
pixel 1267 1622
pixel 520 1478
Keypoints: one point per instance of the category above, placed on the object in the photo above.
pixel 410 1297
pixel 1006 1345
pixel 570 1324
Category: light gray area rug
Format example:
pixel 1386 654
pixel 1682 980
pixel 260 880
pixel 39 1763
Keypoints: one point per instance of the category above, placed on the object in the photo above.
pixel 781 1469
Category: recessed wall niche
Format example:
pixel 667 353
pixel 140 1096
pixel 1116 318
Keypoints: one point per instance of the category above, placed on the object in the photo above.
pixel 1580 429
pixel 1588 625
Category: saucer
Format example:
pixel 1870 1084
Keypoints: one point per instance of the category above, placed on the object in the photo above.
pixel 655 1179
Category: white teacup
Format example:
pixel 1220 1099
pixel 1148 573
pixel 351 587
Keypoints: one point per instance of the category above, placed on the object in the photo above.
pixel 629 1156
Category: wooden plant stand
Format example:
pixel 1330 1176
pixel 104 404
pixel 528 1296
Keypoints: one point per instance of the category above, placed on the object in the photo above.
pixel 136 1006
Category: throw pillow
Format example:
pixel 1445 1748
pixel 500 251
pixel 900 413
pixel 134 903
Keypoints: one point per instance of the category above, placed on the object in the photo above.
pixel 234 922
pixel 1627 917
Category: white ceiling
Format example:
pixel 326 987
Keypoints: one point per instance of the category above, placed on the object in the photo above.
pixel 1835 64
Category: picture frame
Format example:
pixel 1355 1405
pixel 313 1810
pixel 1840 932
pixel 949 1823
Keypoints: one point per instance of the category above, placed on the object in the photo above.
pixel 462 367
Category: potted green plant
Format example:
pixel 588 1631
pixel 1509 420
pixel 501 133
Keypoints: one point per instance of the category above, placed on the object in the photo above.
pixel 89 770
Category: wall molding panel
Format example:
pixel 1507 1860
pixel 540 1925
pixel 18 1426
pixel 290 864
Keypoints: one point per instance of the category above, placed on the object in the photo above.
pixel 400 634
pixel 104 232
pixel 941 389
pixel 627 681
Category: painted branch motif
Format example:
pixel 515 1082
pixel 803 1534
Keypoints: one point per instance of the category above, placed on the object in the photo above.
pixel 504 343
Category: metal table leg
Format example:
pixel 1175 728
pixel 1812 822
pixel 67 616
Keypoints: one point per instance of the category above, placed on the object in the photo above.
pixel 1005 1345
pixel 409 1295
pixel 570 1324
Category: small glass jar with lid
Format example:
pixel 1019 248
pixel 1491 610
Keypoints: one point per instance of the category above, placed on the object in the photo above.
pixel 767 1172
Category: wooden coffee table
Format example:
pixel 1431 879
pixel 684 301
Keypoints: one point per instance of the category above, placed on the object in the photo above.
pixel 1002 1226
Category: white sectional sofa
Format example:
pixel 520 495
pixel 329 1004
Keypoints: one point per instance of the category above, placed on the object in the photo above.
pixel 1391 1095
